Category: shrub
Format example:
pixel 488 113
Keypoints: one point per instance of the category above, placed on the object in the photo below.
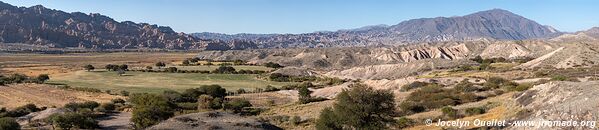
pixel 278 77
pixel 273 65
pixel 413 85
pixel 241 91
pixel 107 107
pixel 474 111
pixel 173 96
pixel 78 106
pixel 270 88
pixel 559 78
pixel 449 112
pixel 20 111
pixel 124 93
pixel 8 123
pixel 359 108
pixel 496 82
pixel 404 122
pixel 465 86
pixel 205 102
pixel 117 100
pixel 69 120
pixel 295 120
pixel 89 67
pixel 237 105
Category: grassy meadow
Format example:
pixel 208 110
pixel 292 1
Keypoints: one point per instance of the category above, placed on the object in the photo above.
pixel 135 82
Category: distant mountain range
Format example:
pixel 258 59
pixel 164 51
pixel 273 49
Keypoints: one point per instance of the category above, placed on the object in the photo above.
pixel 38 25
pixel 493 24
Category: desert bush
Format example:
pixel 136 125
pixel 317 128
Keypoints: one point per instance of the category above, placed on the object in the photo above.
pixel 117 100
pixel 433 96
pixel 273 65
pixel 465 86
pixel 124 93
pixel 413 85
pixel 237 105
pixel 475 111
pixel 359 108
pixel 205 102
pixel 86 89
pixel 270 88
pixel 449 112
pixel 404 122
pixel 70 120
pixel 559 78
pixel 20 111
pixel 8 123
pixel 295 120
pixel 107 107
pixel 84 105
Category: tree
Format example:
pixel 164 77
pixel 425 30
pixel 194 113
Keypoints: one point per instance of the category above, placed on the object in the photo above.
pixel 185 62
pixel 124 67
pixel 111 67
pixel 172 69
pixel 237 105
pixel 160 64
pixel 214 90
pixel 149 109
pixel 304 95
pixel 89 67
pixel 225 69
pixel 359 108
pixel 43 78
pixel 8 123
pixel 273 65
pixel 238 62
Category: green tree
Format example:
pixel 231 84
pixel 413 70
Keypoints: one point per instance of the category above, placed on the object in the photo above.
pixel 8 123
pixel 214 90
pixel 304 95
pixel 359 108
pixel 43 78
pixel 237 105
pixel 149 109
pixel 160 64
pixel 89 67
pixel 185 62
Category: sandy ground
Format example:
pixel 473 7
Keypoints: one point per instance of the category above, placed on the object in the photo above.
pixel 12 96
pixel 116 121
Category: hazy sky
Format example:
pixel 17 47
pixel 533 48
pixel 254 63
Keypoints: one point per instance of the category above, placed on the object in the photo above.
pixel 300 16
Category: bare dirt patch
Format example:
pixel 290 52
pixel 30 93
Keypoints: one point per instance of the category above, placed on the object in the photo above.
pixel 12 96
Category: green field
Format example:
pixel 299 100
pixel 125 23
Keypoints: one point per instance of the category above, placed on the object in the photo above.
pixel 210 68
pixel 158 82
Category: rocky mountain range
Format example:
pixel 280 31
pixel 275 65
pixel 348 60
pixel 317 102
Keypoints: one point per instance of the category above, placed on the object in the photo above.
pixel 493 24
pixel 40 26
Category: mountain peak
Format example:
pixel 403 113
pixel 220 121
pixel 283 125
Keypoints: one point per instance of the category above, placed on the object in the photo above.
pixel 494 13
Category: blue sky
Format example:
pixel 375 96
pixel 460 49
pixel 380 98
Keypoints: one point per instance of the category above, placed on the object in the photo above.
pixel 301 16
